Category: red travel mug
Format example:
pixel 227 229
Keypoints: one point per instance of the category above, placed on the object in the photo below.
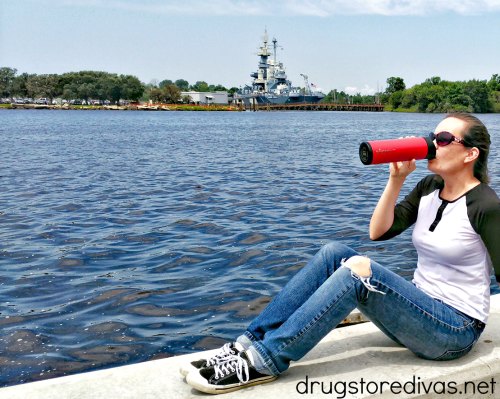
pixel 396 150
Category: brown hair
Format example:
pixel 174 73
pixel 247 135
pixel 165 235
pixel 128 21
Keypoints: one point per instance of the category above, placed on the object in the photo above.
pixel 476 135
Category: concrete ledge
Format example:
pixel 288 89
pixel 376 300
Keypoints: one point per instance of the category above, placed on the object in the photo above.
pixel 345 356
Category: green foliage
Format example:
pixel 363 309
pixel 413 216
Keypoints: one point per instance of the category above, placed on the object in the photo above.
pixel 182 84
pixel 341 97
pixel 200 86
pixel 72 85
pixel 494 82
pixel 205 87
pixel 7 76
pixel 395 84
pixel 396 98
pixel 132 88
pixel 156 95
pixel 433 95
pixel 42 86
pixel 164 83
pixel 217 88
pixel 437 95
pixel 170 94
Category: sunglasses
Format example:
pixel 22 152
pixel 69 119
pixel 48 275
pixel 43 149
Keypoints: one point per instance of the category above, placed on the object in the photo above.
pixel 445 138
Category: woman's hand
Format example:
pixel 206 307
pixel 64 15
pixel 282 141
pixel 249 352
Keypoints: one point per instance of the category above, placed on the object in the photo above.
pixel 383 215
pixel 402 169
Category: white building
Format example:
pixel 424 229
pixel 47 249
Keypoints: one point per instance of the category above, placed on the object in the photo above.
pixel 198 97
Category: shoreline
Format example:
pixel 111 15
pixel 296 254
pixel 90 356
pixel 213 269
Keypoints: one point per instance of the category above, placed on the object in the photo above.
pixel 186 107
pixel 134 107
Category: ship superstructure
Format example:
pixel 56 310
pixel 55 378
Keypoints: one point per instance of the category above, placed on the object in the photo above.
pixel 270 84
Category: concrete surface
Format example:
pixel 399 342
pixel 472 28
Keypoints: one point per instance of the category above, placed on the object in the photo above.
pixel 345 361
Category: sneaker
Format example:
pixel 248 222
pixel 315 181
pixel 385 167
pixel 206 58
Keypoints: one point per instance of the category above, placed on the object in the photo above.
pixel 229 349
pixel 233 373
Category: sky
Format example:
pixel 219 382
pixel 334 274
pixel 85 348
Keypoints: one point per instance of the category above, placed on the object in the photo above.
pixel 350 45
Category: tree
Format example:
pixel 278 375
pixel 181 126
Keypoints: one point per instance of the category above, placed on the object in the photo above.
pixel 408 99
pixel 478 91
pixel 434 81
pixel 171 94
pixel 156 95
pixel 70 91
pixel 182 84
pixel 132 88
pixel 200 86
pixel 429 98
pixel 217 88
pixel 494 82
pixel 19 86
pixel 396 98
pixel 7 77
pixel 395 84
pixel 43 86
pixel 164 83
pixel 86 91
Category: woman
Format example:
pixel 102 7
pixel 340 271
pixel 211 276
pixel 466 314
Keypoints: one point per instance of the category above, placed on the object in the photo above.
pixel 438 316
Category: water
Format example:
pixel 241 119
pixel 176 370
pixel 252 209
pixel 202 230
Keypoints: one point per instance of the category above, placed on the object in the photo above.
pixel 129 236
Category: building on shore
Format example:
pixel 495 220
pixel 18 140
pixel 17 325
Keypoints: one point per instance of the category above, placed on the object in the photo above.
pixel 198 97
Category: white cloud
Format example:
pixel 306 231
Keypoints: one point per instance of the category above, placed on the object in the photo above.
pixel 365 90
pixel 318 8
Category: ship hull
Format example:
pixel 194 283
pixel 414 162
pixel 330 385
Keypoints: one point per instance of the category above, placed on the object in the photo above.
pixel 250 100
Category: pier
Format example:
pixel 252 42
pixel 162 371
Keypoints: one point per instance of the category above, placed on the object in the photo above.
pixel 317 107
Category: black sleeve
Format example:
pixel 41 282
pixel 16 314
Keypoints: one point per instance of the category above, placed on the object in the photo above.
pixel 406 211
pixel 484 214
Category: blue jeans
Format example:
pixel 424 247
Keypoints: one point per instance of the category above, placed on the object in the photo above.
pixel 324 292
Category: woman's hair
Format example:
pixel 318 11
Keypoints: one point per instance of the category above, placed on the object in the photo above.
pixel 476 135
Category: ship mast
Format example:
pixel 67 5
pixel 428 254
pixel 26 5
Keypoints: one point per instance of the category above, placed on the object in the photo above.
pixel 274 51
pixel 262 75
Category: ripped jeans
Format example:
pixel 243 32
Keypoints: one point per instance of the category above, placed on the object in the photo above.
pixel 323 293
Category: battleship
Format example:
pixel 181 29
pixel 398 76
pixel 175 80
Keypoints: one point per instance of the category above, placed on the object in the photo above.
pixel 270 84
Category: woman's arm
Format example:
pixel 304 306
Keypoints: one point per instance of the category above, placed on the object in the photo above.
pixel 383 215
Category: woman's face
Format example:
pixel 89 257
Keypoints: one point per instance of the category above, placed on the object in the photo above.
pixel 450 158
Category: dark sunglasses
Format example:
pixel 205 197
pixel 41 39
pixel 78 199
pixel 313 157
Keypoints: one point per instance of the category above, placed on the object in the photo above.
pixel 445 138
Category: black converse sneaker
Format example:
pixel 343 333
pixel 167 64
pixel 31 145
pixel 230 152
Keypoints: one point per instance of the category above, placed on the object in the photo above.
pixel 229 349
pixel 233 373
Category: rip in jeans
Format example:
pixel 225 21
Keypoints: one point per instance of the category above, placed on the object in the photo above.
pixel 365 280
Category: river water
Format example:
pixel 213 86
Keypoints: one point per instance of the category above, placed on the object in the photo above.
pixel 129 236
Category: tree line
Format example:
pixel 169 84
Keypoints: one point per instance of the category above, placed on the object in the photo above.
pixel 433 95
pixel 85 85
pixel 438 95
pixel 170 92
pixel 341 97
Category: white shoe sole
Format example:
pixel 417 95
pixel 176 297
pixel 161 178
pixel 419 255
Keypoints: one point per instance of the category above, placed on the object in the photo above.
pixel 198 382
pixel 186 369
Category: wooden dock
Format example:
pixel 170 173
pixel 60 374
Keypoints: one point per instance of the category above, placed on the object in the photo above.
pixel 317 107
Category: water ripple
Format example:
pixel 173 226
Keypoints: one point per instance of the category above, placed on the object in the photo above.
pixel 134 236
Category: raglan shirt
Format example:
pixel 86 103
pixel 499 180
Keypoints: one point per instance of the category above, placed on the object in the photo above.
pixel 457 242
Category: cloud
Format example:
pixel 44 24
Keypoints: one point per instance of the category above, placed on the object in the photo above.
pixel 365 90
pixel 315 8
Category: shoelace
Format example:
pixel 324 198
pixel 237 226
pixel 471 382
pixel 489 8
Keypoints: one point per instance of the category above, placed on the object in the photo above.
pixel 224 353
pixel 232 364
